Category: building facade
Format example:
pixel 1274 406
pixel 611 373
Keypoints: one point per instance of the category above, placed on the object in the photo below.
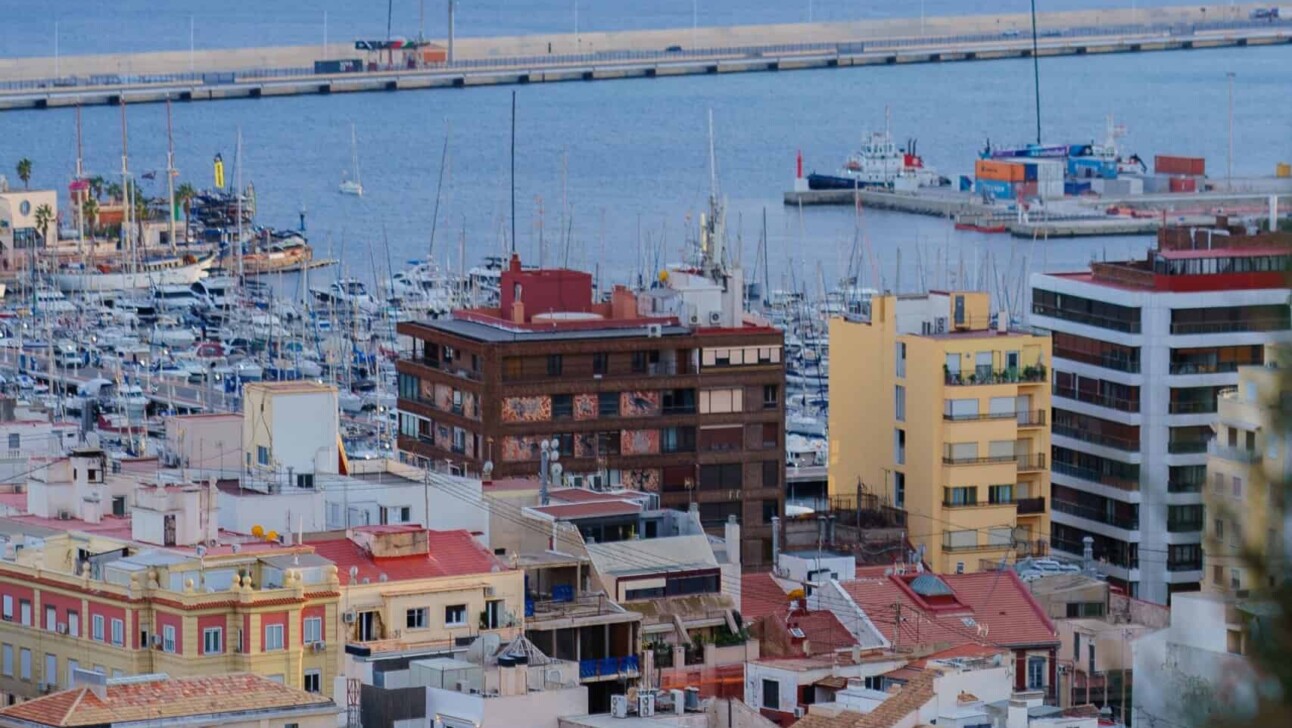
pixel 667 391
pixel 1248 466
pixel 1142 350
pixel 946 417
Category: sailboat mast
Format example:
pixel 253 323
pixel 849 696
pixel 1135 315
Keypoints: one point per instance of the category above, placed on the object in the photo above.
pixel 170 177
pixel 237 160
pixel 126 242
pixel 83 192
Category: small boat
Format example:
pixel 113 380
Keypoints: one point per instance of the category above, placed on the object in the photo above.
pixel 352 185
pixel 880 164
pixel 165 271
pixel 982 227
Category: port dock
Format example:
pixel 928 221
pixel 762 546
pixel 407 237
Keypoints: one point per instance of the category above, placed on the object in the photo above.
pixel 36 83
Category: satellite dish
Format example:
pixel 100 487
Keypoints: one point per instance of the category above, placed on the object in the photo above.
pixel 488 468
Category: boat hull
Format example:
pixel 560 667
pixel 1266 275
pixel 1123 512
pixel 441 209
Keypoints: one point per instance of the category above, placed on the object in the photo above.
pixel 97 281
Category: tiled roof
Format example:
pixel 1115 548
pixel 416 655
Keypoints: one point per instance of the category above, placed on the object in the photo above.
pixel 760 595
pixel 590 509
pixel 914 695
pixel 452 553
pixel 996 600
pixel 162 699
pixel 822 630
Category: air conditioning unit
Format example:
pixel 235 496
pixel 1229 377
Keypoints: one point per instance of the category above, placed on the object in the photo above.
pixel 349 616
pixel 646 704
pixel 62 629
pixel 694 319
pixel 715 317
pixel 799 712
pixel 654 331
pixel 488 592
pixel 619 706
pixel 319 646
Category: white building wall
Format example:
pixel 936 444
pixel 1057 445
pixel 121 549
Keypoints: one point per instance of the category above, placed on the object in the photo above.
pixel 1155 381
pixel 287 512
pixel 297 424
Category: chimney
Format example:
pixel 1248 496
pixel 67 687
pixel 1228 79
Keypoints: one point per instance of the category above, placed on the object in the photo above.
pixel 1002 321
pixel 776 543
pixel 731 534
pixel 1274 213
pixel 517 313
pixel 514 264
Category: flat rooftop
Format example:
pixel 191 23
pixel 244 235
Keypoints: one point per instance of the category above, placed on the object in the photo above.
pixel 502 333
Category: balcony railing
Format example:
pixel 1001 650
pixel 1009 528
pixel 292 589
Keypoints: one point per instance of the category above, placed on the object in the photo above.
pixel 976 460
pixel 1184 565
pixel 1130 326
pixel 1096 438
pixel 1094 476
pixel 1189 367
pixel 1106 361
pixel 451 368
pixel 1034 461
pixel 608 667
pixel 1033 418
pixel 1235 454
pixel 1000 376
pixel 1177 525
pixel 1090 513
pixel 1097 398
pixel 1186 447
pixel 1184 486
pixel 1187 407
pixel 1116 557
pixel 1031 506
pixel 1224 327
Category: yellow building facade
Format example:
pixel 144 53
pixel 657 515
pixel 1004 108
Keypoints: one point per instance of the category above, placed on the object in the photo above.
pixel 945 416
pixel 1247 467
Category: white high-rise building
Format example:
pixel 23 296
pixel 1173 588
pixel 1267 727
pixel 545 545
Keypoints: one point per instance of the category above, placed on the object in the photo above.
pixel 1142 349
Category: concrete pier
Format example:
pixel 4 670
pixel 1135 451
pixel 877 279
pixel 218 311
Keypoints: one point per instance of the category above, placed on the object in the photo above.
pixel 263 72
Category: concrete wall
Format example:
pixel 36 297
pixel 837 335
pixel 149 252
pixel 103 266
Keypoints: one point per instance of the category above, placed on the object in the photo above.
pixel 209 442
pixel 296 423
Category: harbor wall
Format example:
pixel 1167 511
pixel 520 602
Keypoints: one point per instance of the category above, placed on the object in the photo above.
pixel 468 48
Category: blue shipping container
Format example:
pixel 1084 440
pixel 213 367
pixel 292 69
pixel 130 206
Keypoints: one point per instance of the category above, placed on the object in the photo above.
pixel 1087 168
pixel 1029 172
pixel 966 183
pixel 1073 189
pixel 995 189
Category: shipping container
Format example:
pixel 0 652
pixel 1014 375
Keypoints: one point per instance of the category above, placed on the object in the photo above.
pixel 1195 166
pixel 1092 168
pixel 1050 189
pixel 966 183
pixel 212 79
pixel 1050 170
pixel 1184 184
pixel 1073 189
pixel 343 65
pixel 1283 169
pixel 995 189
pixel 999 170
pixel 1029 171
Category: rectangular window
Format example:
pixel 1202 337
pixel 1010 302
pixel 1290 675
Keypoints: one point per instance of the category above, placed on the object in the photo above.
pixel 966 496
pixel 772 470
pixel 96 627
pixel 554 365
pixel 901 358
pixel 1000 494
pixel 51 669
pixel 24 664
pixel 455 615
pixel 118 632
pixel 608 404
pixel 7 668
pixel 1219 482
pixel 262 455
pixel 899 489
pixel 899 403
pixel 8 608
pixel 1220 529
pixel 1035 673
pixel 600 363
pixel 562 406
pixel 51 619
pixel 1237 487
pixel 313 629
pixel 168 638
pixel 24 612
pixel 15 440
pixel 73 624
pixel 899 447
pixel 212 641
pixel 415 618
pixel 273 637
pixel 771 694
pixel 771 396
pixel 313 681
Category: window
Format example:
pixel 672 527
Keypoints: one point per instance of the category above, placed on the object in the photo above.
pixel 24 612
pixel 899 403
pixel 8 608
pixel 600 363
pixel 608 404
pixel 901 358
pixel 313 681
pixel 73 624
pixel 1000 494
pixel 15 440
pixel 212 641
pixel 677 439
pixel 168 638
pixel 1220 529
pixel 1219 482
pixel 899 447
pixel 772 470
pixel 273 637
pixel 72 667
pixel 415 618
pixel 1035 673
pixel 455 615
pixel 1218 575
pixel 262 454
pixel 967 496
pixel 771 694
pixel 51 619
pixel 899 489
pixel 24 664
pixel 1237 487
pixel 1076 645
pixel 7 667
pixel 722 401
pixel 721 477
pixel 396 514
pixel 313 629
pixel 554 364
pixel 118 632
pixel 771 396
pixel 493 614
pixel 639 362
pixel 562 406
pixel 96 627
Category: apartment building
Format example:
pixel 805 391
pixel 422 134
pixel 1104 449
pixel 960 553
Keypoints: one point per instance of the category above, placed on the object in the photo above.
pixel 1143 349
pixel 1248 469
pixel 945 415
pixel 673 391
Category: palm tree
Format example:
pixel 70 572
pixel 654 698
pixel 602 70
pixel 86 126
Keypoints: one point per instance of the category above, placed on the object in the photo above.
pixel 90 211
pixel 96 186
pixel 44 216
pixel 113 191
pixel 24 172
pixel 184 195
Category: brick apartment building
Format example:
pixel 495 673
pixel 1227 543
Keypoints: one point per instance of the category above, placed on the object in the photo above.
pixel 674 391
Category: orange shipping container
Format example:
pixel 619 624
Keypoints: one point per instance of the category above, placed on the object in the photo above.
pixel 1000 171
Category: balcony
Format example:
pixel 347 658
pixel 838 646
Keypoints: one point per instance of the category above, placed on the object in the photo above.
pixel 1183 525
pixel 1189 367
pixel 1035 418
pixel 452 368
pixel 608 667
pixel 1229 327
pixel 1105 361
pixel 1034 461
pixel 1119 557
pixel 1184 565
pixel 1096 438
pixel 1094 476
pixel 1189 407
pixel 1234 454
pixel 1186 447
pixel 1090 513
pixel 976 460
pixel 1112 323
pixel 1030 506
pixel 985 376
pixel 1032 418
pixel 1097 398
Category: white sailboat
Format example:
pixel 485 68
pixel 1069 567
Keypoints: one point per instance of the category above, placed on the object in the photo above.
pixel 353 185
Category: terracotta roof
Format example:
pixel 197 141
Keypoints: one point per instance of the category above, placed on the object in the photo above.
pixel 822 629
pixel 452 553
pixel 560 511
pixel 914 695
pixel 760 595
pixel 996 600
pixel 161 699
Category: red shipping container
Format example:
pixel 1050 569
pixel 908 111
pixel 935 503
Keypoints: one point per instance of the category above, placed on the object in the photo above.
pixel 1194 166
pixel 1184 184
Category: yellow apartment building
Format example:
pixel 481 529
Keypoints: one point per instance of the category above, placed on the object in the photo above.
pixel 1247 467
pixel 945 415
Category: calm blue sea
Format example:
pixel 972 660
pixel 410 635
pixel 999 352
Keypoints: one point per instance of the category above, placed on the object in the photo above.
pixel 630 157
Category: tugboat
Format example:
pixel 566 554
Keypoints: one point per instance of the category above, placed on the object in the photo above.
pixel 880 164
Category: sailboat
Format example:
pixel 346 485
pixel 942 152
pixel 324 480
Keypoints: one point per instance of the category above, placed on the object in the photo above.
pixel 353 185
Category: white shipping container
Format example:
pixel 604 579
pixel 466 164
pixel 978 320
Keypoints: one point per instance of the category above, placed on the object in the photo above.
pixel 1049 170
pixel 1050 190
pixel 1097 185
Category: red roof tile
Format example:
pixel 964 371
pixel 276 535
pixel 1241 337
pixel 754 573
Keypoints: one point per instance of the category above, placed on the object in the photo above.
pixel 997 600
pixel 452 553
pixel 822 630
pixel 760 596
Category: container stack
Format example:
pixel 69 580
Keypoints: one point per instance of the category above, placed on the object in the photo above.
pixel 1011 179
pixel 1176 174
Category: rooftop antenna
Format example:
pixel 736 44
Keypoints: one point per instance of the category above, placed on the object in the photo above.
pixel 513 172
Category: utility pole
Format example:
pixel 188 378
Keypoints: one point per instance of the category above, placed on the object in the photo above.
pixel 1036 74
pixel 450 54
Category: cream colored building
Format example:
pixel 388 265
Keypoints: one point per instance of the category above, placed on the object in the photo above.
pixel 19 232
pixel 1248 468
